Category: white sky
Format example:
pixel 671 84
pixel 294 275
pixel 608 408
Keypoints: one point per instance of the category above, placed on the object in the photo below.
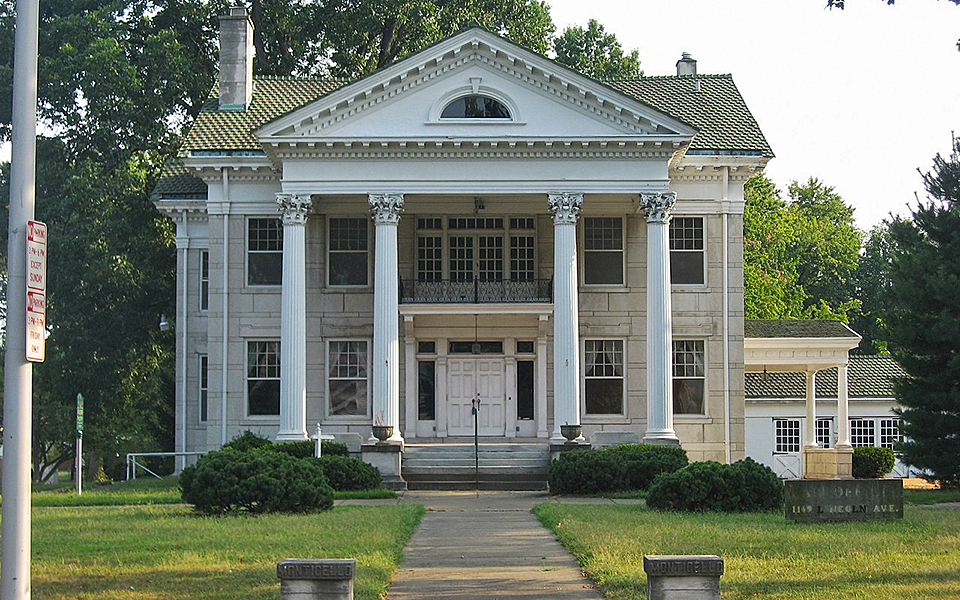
pixel 859 98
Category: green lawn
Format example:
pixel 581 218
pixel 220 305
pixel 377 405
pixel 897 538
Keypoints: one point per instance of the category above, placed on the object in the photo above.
pixel 145 490
pixel 765 556
pixel 930 496
pixel 169 553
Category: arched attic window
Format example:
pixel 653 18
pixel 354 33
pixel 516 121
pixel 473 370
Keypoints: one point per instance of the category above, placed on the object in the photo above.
pixel 475 107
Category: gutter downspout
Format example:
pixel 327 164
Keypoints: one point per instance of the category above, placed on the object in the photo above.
pixel 225 296
pixel 725 207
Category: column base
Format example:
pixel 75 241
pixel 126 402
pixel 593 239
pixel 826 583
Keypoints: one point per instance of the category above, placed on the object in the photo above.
pixel 291 436
pixel 387 457
pixel 661 441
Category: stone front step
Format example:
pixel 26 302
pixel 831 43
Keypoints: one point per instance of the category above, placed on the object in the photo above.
pixel 503 466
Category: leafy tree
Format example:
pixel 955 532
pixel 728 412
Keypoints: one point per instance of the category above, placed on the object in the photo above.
pixel 841 4
pixel 872 279
pixel 799 254
pixel 922 323
pixel 596 53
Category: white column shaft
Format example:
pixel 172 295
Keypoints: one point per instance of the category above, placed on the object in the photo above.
pixel 566 312
pixel 811 410
pixel 386 314
pixel 843 408
pixel 293 336
pixel 659 320
pixel 293 319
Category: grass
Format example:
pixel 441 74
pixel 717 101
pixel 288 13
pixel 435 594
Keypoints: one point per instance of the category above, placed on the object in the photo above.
pixel 930 496
pixel 765 556
pixel 169 553
pixel 145 490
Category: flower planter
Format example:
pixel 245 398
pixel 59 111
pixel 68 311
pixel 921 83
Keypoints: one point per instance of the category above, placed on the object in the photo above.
pixel 382 432
pixel 571 432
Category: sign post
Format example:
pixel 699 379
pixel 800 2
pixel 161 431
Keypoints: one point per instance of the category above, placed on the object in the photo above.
pixel 79 468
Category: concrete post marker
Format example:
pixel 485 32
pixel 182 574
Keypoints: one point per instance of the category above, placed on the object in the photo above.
pixel 316 579
pixel 683 577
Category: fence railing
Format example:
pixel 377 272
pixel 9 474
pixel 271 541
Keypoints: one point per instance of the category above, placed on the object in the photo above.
pixel 446 291
pixel 132 463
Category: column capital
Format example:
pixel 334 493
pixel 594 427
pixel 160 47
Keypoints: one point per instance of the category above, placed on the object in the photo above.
pixel 565 207
pixel 658 206
pixel 386 208
pixel 294 207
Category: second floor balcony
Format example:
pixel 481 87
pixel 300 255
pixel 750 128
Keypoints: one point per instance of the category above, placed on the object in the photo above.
pixel 476 291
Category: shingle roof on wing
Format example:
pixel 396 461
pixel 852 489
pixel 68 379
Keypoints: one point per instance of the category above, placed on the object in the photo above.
pixel 177 183
pixel 867 377
pixel 796 328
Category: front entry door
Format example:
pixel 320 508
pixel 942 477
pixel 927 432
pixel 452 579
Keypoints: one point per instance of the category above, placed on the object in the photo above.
pixel 468 378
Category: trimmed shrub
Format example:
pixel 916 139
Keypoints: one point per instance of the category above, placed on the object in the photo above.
pixel 642 463
pixel 304 449
pixel 614 469
pixel 228 481
pixel 247 440
pixel 872 463
pixel 345 473
pixel 710 486
pixel 334 449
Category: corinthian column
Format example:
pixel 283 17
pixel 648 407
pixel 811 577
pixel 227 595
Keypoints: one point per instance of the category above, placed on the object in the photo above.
pixel 566 316
pixel 293 319
pixel 386 210
pixel 657 208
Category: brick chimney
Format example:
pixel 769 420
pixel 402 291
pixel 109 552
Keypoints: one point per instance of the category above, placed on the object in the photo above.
pixel 686 65
pixel 236 59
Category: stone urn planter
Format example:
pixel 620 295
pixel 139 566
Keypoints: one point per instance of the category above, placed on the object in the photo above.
pixel 382 432
pixel 571 432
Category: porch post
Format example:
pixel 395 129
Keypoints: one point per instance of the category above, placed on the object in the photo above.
pixel 811 410
pixel 657 208
pixel 566 321
pixel 541 409
pixel 843 409
pixel 411 386
pixel 293 319
pixel 386 210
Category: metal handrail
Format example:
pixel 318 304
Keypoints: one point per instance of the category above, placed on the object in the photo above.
pixel 132 463
pixel 476 291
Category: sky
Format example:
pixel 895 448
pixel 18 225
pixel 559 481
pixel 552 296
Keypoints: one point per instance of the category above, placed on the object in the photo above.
pixel 859 98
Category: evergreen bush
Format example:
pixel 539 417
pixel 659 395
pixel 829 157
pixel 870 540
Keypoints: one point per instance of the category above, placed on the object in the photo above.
pixel 229 481
pixel 619 468
pixel 711 486
pixel 345 473
pixel 247 440
pixel 334 449
pixel 304 449
pixel 872 463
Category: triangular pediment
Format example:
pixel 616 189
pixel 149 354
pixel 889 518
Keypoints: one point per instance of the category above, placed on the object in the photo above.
pixel 545 100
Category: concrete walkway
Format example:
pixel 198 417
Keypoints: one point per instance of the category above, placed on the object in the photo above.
pixel 474 545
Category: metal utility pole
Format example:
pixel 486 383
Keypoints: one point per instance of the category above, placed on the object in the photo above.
pixel 18 372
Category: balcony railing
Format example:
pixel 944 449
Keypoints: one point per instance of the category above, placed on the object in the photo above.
pixel 476 292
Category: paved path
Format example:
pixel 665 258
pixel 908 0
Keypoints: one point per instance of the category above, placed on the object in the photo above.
pixel 473 545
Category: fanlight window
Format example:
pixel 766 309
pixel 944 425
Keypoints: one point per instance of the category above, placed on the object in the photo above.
pixel 475 107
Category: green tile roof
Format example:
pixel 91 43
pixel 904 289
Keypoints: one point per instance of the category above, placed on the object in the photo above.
pixel 725 125
pixel 867 377
pixel 177 183
pixel 796 328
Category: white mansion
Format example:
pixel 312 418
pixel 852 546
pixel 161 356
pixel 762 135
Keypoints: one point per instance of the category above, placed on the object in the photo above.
pixel 472 223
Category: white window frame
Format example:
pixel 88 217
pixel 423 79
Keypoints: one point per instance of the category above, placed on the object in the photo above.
pixel 326 383
pixel 246 379
pixel 896 438
pixel 698 286
pixel 204 287
pixel 873 432
pixel 582 251
pixel 584 415
pixel 203 372
pixel 370 255
pixel 791 426
pixel 706 385
pixel 246 254
pixel 828 421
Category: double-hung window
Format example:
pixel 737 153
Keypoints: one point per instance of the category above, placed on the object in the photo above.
pixel 689 377
pixel 786 436
pixel 264 252
pixel 890 434
pixel 825 433
pixel 204 387
pixel 205 279
pixel 347 386
pixel 603 250
pixel 348 248
pixel 686 251
pixel 263 378
pixel 861 432
pixel 603 377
